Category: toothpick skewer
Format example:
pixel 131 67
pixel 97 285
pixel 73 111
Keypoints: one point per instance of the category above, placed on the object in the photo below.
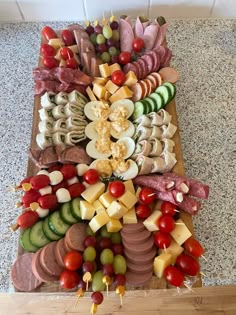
pixel 204 257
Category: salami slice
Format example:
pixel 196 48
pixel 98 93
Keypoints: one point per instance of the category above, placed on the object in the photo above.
pixel 126 35
pixel 135 279
pixel 138 92
pixel 149 59
pixel 156 182
pixel 144 67
pixel 60 252
pixel 138 28
pixel 48 260
pixel 149 36
pixel 138 69
pixel 156 59
pixel 75 236
pixel 190 205
pixel 173 196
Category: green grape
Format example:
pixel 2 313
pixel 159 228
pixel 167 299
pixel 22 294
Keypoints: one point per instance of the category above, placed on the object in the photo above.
pixel 116 35
pixel 107 31
pixel 119 265
pixel 93 38
pixel 104 232
pixel 116 238
pixel 89 230
pixel 105 57
pixel 106 256
pixel 100 39
pixel 89 254
pixel 97 283
pixel 112 51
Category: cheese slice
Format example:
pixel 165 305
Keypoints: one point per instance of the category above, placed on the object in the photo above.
pixel 151 221
pixel 131 79
pixel 111 87
pixel 129 186
pixel 98 221
pixel 160 263
pixel 93 192
pixel 98 206
pixel 174 249
pixel 130 217
pixel 56 43
pixel 180 233
pixel 91 95
pixel 106 199
pixel 99 90
pixel 128 199
pixel 114 67
pixel 87 210
pixel 122 93
pixel 114 225
pixel 99 80
pixel 116 210
pixel 104 70
pixel 107 95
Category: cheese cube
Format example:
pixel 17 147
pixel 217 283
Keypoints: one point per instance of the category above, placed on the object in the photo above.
pixel 123 92
pixel 98 206
pixel 100 80
pixel 99 90
pixel 160 263
pixel 106 199
pixel 131 79
pixel 111 87
pixel 98 221
pixel 174 249
pixel 74 48
pixel 128 199
pixel 129 186
pixel 114 67
pixel 151 221
pixel 91 96
pixel 130 217
pixel 107 95
pixel 58 55
pixel 138 192
pixel 62 63
pixel 87 210
pixel 114 225
pixel 56 43
pixel 180 233
pixel 104 70
pixel 116 210
pixel 93 192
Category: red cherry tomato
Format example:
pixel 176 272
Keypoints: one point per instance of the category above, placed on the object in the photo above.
pixel 188 265
pixel 143 211
pixel 73 260
pixel 66 53
pixel 76 190
pixel 118 77
pixel 48 33
pixel 39 181
pixel 25 180
pixel 47 50
pixel 48 201
pixel 124 57
pixel 68 171
pixel 69 279
pixel 147 196
pixel 72 63
pixel 166 223
pixel 50 62
pixel 67 37
pixel 168 208
pixel 138 44
pixel 162 240
pixel 174 276
pixel 193 247
pixel 91 176
pixel 29 197
pixel 116 188
pixel 27 219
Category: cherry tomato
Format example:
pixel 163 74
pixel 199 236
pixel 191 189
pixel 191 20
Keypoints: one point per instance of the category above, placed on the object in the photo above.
pixel 67 37
pixel 56 167
pixel 69 279
pixel 174 276
pixel 73 260
pixel 143 211
pixel 39 181
pixel 116 188
pixel 62 184
pixel 166 223
pixel 48 201
pixel 147 196
pixel 50 62
pixel 187 264
pixel 68 171
pixel 66 53
pixel 27 219
pixel 25 180
pixel 193 247
pixel 97 297
pixel 48 33
pixel 124 57
pixel 72 63
pixel 168 208
pixel 138 44
pixel 118 77
pixel 47 50
pixel 91 176
pixel 76 190
pixel 29 197
pixel 162 240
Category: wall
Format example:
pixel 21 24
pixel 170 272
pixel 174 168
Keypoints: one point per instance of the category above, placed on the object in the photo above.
pixel 75 10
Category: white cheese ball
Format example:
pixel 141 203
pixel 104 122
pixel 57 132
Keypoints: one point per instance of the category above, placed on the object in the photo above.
pixel 81 169
pixel 45 190
pixel 55 177
pixel 72 180
pixel 43 172
pixel 63 195
pixel 42 212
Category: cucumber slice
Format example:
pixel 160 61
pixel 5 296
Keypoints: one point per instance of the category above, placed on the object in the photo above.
pixel 138 110
pixel 37 236
pixel 158 99
pixel 48 232
pixel 25 241
pixel 66 215
pixel 57 225
pixel 152 104
pixel 172 88
pixel 75 208
pixel 165 92
pixel 147 107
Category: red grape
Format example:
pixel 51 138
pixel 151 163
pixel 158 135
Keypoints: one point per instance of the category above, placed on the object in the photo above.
pixel 101 48
pixel 89 29
pixel 98 29
pixel 82 285
pixel 117 249
pixel 119 279
pixel 187 264
pixel 105 242
pixel 162 240
pixel 90 241
pixel 88 266
pixel 114 25
pixel 107 270
pixel 174 276
pixel 114 59
pixel 166 223
pixel 97 297
pixel 111 42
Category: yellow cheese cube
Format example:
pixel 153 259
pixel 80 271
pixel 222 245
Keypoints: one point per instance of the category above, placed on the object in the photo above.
pixel 130 217
pixel 116 210
pixel 74 48
pixel 151 221
pixel 93 192
pixel 111 87
pixel 160 263
pixel 104 70
pixel 114 225
pixel 174 249
pixel 131 79
pixel 87 210
pixel 123 92
pixel 107 95
pixel 58 55
pixel 77 59
pixel 56 43
pixel 99 90
pixel 180 233
pixel 98 206
pixel 128 199
pixel 129 186
pixel 98 221
pixel 138 192
pixel 114 67
pixel 90 93
pixel 106 199
pixel 62 63
pixel 100 80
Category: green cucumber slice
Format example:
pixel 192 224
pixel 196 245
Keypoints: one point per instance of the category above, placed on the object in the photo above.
pixel 152 104
pixel 75 208
pixel 172 88
pixel 66 215
pixel 57 225
pixel 147 106
pixel 138 110
pixel 158 99
pixel 165 92
pixel 37 236
pixel 48 232
pixel 25 241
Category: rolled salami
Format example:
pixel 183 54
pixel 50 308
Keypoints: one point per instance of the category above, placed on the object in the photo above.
pixel 189 205
pixel 157 182
pixel 173 196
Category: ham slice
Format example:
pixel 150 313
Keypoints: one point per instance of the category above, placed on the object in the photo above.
pixel 149 36
pixel 145 164
pixel 138 28
pixel 126 36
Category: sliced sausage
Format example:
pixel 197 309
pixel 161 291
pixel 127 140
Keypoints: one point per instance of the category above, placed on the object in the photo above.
pixel 138 279
pixel 138 92
pixel 139 268
pixel 60 252
pixel 131 228
pixel 67 247
pixel 130 67
pixel 141 259
pixel 169 74
pixel 140 249
pixel 75 236
pixel 38 271
pixel 135 238
pixel 149 61
pixel 144 67
pixel 48 260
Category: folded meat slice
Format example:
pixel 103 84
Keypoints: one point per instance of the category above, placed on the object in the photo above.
pixel 76 154
pixel 156 147
pixel 94 70
pixel 145 164
pixel 138 28
pixel 143 120
pixel 149 36
pixel 167 145
pixel 168 131
pixel 126 35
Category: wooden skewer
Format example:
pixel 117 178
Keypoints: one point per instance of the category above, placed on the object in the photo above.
pixel 165 248
pixel 188 287
pixel 203 274
pixel 204 258
pixel 176 210
pixel 179 223
pixel 178 290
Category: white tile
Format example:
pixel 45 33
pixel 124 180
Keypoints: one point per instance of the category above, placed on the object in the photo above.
pixel 52 10
pixel 96 9
pixel 181 8
pixel 223 8
pixel 9 11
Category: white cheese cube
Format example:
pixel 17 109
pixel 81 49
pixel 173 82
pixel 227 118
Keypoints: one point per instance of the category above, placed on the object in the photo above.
pixel 116 210
pixel 114 225
pixel 81 169
pixel 128 199
pixel 87 210
pixel 63 195
pixel 151 222
pixel 106 199
pixel 55 177
pixel 130 217
pixel 160 263
pixel 93 192
pixel 174 249
pixel 180 233
pixel 98 206
pixel 45 190
pixel 98 221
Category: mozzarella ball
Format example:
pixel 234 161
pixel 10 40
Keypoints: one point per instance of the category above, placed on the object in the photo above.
pixel 81 169
pixel 63 195
pixel 55 177
pixel 45 190
pixel 42 212
pixel 43 172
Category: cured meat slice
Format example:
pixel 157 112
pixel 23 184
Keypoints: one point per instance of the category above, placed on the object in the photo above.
pixel 138 92
pixel 135 238
pixel 130 67
pixel 67 247
pixel 60 252
pixel 143 64
pixel 75 236
pixel 21 274
pixel 161 51
pixel 163 31
pixel 169 74
pixel 76 154
pixel 48 260
pixel 159 39
pixel 149 59
pixel 141 259
pixel 126 35
pixel 138 69
pixel 140 249
pixel 135 279
pixel 139 268
pixel 138 28
pixel 190 205
pixel 157 182
pixel 149 36
pixel 173 196
pixel 167 58
pixel 49 156
pixel 131 228
pixel 156 59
